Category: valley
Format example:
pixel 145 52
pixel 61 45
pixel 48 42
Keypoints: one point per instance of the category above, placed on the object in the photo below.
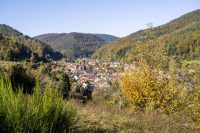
pixel 88 82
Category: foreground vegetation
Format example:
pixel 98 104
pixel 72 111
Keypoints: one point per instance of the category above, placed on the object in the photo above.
pixel 101 117
pixel 38 112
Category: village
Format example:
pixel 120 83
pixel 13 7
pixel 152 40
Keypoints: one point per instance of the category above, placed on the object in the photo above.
pixel 87 72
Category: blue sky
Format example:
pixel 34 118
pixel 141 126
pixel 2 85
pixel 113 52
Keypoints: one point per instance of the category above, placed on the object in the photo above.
pixel 116 17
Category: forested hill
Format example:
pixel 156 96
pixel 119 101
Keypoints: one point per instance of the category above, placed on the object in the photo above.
pixel 107 38
pixel 75 45
pixel 14 46
pixel 180 37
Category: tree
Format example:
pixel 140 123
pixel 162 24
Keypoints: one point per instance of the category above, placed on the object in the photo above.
pixel 148 85
pixel 64 84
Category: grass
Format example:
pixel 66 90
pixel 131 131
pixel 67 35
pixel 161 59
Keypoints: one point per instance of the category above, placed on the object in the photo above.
pixel 6 64
pixel 39 112
pixel 99 117
pixel 191 62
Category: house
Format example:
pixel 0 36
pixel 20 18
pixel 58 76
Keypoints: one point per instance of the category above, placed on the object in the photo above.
pixel 114 64
pixel 76 77
pixel 102 83
pixel 82 80
pixel 87 73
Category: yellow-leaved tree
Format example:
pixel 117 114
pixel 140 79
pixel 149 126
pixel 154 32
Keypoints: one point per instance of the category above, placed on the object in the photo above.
pixel 145 88
pixel 149 85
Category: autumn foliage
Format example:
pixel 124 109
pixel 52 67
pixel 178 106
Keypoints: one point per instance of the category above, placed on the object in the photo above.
pixel 145 88
pixel 149 85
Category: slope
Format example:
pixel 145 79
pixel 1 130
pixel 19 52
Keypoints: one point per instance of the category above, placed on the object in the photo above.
pixel 180 37
pixel 14 46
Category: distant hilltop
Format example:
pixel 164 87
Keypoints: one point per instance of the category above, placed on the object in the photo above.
pixel 76 45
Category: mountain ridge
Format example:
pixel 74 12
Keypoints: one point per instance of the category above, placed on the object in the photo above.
pixel 165 34
pixel 76 45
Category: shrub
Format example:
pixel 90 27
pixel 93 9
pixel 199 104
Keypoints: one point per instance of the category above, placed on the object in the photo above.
pixel 39 112
pixel 110 95
pixel 145 88
pixel 192 106
pixel 21 77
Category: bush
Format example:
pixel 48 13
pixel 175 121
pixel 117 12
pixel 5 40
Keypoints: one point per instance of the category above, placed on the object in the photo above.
pixel 39 112
pixel 192 106
pixel 145 88
pixel 21 77
pixel 110 95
